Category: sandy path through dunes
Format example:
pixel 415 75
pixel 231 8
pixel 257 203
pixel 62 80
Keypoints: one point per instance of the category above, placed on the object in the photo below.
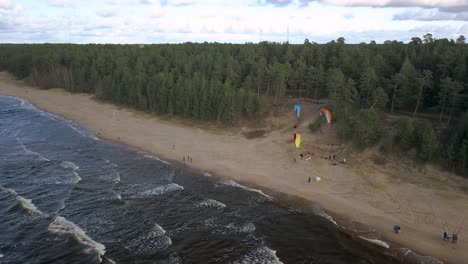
pixel 374 197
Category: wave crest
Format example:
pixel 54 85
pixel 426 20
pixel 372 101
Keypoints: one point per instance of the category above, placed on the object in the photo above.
pixel 230 182
pixel 261 255
pixel 30 152
pixel 171 187
pixel 211 203
pixel 62 226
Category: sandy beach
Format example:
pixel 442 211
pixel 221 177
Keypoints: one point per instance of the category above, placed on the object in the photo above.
pixel 423 201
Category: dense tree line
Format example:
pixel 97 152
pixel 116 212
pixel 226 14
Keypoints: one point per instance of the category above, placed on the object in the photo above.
pixel 227 82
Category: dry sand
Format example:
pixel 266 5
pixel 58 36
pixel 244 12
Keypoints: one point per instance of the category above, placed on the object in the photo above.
pixel 378 196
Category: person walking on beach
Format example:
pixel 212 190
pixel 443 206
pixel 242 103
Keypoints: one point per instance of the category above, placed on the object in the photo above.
pixel 183 158
pixel 173 147
pixel 454 238
pixel 308 180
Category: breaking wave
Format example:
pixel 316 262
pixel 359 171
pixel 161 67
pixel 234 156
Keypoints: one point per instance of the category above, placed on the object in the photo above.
pixel 156 158
pixel 318 210
pixel 410 257
pixel 376 241
pixel 261 255
pixel 69 165
pixel 211 203
pixel 151 242
pixel 171 187
pixel 61 225
pixel 25 203
pixel 113 175
pixel 235 184
pixel 30 152
pixel 25 104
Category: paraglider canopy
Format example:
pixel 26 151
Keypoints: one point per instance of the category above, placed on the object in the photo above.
pixel 298 140
pixel 326 112
pixel 297 109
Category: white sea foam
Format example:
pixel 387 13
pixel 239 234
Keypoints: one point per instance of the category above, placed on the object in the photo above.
pixel 211 203
pixel 62 205
pixel 244 228
pixel 155 158
pixel 26 204
pixel 171 187
pixel 376 241
pixel 25 104
pixel 411 256
pixel 117 196
pixel 261 255
pixel 112 175
pixel 328 217
pixel 207 174
pixel 1 255
pixel 30 152
pixel 61 225
pixel 48 116
pixel 158 230
pixel 76 177
pixel 318 210
pixel 235 184
pixel 69 165
pixel 80 131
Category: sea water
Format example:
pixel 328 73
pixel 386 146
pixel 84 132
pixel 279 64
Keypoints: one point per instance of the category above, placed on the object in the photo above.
pixel 67 197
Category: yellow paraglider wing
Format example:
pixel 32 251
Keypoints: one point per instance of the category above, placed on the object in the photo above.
pixel 298 141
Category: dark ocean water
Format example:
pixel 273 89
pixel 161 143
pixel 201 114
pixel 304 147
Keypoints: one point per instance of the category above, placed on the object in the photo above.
pixel 67 197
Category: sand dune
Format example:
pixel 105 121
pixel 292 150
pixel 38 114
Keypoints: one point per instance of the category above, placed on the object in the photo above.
pixel 422 203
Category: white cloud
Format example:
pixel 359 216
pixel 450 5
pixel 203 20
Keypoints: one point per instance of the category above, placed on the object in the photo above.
pixel 435 29
pixel 430 15
pixel 106 13
pixel 463 30
pixel 214 20
pixel 178 2
pixel 61 3
pixel 397 3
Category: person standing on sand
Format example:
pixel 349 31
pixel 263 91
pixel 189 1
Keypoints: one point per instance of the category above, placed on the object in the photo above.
pixel 173 147
pixel 183 158
pixel 308 180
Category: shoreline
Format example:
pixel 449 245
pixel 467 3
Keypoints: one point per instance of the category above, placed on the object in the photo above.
pixel 342 193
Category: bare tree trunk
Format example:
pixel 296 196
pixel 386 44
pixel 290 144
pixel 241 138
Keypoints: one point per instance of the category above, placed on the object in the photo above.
pixel 393 98
pixel 268 88
pixel 315 94
pixel 443 108
pixel 258 88
pixel 450 115
pixel 418 101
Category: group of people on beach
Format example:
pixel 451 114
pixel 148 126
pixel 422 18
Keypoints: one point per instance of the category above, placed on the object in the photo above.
pixel 454 237
pixel 189 159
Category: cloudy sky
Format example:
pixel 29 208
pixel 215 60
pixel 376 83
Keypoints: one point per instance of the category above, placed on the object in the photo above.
pixel 237 21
